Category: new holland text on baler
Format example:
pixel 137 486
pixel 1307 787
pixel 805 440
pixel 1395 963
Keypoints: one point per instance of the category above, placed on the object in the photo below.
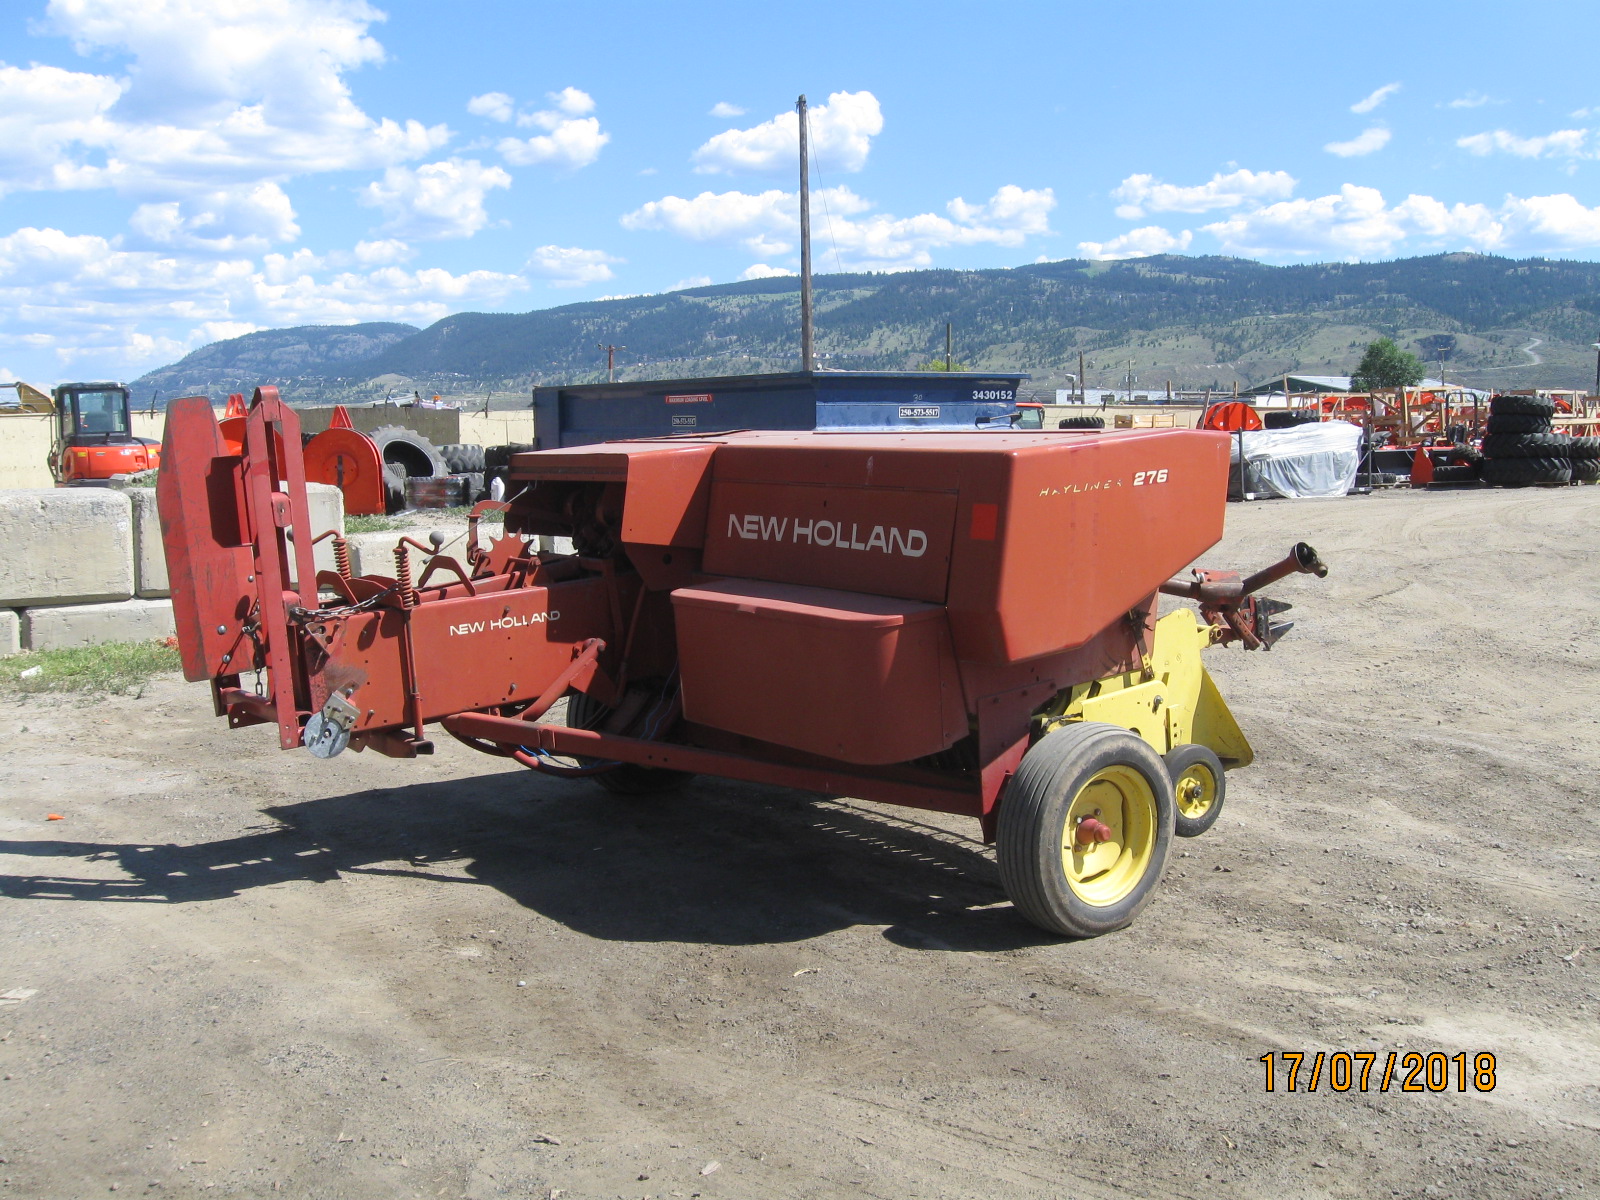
pixel 959 622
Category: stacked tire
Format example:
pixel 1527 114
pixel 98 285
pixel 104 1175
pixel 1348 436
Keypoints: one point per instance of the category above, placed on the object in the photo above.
pixel 497 468
pixel 1519 449
pixel 466 462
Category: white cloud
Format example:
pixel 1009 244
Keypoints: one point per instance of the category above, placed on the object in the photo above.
pixel 569 101
pixel 723 109
pixel 1472 100
pixel 572 138
pixel 439 200
pixel 216 96
pixel 762 271
pixel 569 266
pixel 1357 223
pixel 841 137
pixel 228 221
pixel 694 281
pixel 1138 243
pixel 382 253
pixel 130 309
pixel 497 106
pixel 1374 99
pixel 764 222
pixel 1367 142
pixel 1141 194
pixel 1563 143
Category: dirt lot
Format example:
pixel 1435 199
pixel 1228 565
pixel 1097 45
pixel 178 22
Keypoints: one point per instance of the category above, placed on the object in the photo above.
pixel 260 973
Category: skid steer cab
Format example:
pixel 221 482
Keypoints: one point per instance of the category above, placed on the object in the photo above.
pixel 963 622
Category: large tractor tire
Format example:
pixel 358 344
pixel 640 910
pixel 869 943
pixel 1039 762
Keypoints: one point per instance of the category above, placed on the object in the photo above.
pixel 463 458
pixel 407 449
pixel 394 489
pixel 1084 830
pixel 1081 423
pixel 1517 423
pixel 497 467
pixel 1584 447
pixel 1586 470
pixel 1525 472
pixel 1533 406
pixel 1288 418
pixel 1457 473
pixel 1526 445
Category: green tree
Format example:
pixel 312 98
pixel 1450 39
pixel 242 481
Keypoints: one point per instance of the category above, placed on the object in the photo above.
pixel 938 364
pixel 1385 366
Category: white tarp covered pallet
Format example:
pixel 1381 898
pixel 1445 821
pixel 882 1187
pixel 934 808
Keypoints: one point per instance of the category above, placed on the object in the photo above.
pixel 1312 461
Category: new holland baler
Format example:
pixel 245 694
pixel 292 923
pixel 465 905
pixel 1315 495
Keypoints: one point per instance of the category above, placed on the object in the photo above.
pixel 964 622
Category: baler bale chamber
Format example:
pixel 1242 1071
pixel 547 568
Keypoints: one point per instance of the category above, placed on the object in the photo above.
pixel 963 622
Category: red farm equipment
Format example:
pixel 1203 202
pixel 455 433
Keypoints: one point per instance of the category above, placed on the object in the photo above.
pixel 963 622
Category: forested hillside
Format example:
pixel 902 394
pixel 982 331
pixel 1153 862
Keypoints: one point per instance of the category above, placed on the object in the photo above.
pixel 1200 322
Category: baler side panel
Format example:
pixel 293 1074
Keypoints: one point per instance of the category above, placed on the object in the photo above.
pixel 880 541
pixel 1081 530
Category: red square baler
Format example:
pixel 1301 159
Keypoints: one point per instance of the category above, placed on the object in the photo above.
pixel 964 622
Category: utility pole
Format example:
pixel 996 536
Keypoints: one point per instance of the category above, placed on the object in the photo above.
pixel 807 349
pixel 949 358
pixel 1082 395
pixel 611 360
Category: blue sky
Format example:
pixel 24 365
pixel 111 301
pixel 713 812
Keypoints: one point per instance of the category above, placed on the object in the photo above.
pixel 177 171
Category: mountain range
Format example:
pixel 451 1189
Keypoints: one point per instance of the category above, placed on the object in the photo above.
pixel 1198 322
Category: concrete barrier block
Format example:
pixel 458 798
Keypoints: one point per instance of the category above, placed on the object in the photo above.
pixel 10 632
pixel 373 553
pixel 149 555
pixel 65 545
pixel 90 624
pixel 325 502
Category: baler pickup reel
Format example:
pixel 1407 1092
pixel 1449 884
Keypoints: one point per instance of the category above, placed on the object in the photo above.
pixel 1229 604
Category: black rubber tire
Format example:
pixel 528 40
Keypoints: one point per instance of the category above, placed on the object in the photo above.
pixel 408 450
pixel 463 458
pixel 1584 448
pixel 629 779
pixel 500 456
pixel 1517 423
pixel 1376 479
pixel 472 486
pixel 1033 818
pixel 1525 472
pixel 394 488
pixel 1533 406
pixel 1288 418
pixel 1081 423
pixel 1586 470
pixel 1526 445
pixel 1457 473
pixel 1187 757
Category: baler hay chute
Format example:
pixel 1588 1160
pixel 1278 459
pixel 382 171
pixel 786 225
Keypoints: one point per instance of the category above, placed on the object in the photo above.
pixel 958 622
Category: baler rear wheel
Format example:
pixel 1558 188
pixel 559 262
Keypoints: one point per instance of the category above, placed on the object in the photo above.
pixel 1084 829
pixel 1199 785
pixel 626 779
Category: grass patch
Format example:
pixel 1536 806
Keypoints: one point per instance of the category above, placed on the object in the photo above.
pixel 107 669
pixel 414 518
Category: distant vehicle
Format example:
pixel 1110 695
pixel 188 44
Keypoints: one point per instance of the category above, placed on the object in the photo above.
pixel 28 399
pixel 94 437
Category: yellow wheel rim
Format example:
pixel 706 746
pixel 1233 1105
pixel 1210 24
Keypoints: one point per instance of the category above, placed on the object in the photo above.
pixel 1120 799
pixel 1196 791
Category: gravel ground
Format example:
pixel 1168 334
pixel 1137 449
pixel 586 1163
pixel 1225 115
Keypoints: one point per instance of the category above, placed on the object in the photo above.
pixel 238 971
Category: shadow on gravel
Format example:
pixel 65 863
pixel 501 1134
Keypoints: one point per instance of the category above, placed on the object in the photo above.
pixel 719 863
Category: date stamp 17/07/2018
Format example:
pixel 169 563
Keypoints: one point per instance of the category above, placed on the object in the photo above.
pixel 1372 1071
